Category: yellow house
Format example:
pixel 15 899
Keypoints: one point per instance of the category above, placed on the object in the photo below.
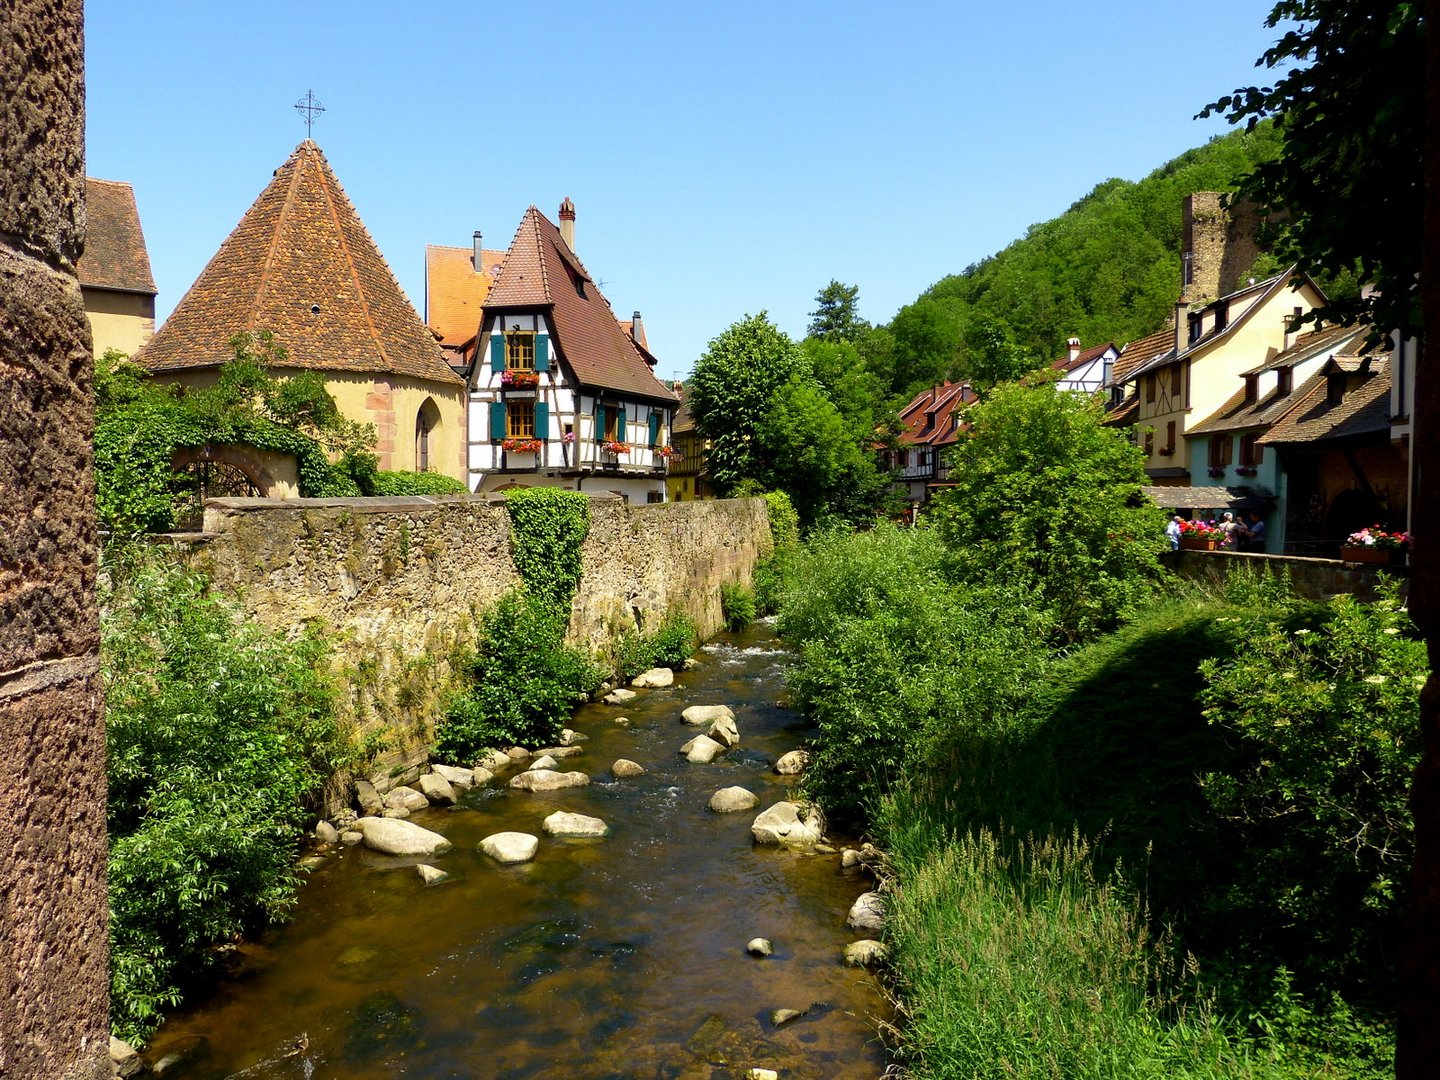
pixel 302 265
pixel 115 281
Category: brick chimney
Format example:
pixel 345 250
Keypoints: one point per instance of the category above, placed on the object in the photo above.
pixel 567 223
pixel 637 330
pixel 478 265
pixel 1073 345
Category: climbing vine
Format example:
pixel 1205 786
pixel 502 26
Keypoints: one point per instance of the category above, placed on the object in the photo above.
pixel 547 527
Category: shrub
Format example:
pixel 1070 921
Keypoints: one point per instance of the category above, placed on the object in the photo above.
pixel 547 527
pixel 520 686
pixel 394 484
pixel 217 731
pixel 672 643
pixel 737 602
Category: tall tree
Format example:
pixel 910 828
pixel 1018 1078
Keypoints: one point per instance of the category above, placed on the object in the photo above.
pixel 1350 111
pixel 835 317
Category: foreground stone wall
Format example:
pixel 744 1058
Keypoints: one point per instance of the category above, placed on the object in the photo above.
pixel 54 977
pixel 1312 578
pixel 399 584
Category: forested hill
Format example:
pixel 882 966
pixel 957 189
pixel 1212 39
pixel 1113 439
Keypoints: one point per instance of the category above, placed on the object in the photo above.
pixel 1107 269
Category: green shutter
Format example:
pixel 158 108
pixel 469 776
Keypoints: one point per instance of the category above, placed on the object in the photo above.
pixel 497 421
pixel 542 352
pixel 621 434
pixel 497 352
pixel 654 428
pixel 599 423
pixel 542 420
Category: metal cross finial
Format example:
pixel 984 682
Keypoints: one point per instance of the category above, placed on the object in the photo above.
pixel 309 108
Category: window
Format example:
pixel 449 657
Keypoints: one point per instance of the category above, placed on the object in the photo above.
pixel 1220 446
pixel 1222 316
pixel 520 419
pixel 426 421
pixel 520 350
pixel 1177 378
pixel 1251 452
pixel 1195 324
pixel 1170 437
pixel 1149 389
pixel 1284 381
pixel 1252 388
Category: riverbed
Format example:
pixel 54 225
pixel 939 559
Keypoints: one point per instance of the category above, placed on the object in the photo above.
pixel 615 957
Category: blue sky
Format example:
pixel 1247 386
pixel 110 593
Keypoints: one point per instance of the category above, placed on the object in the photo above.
pixel 723 158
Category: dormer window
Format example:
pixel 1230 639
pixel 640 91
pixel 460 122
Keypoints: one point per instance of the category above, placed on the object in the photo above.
pixel 1196 323
pixel 1222 316
pixel 1284 381
pixel 1251 389
pixel 1334 388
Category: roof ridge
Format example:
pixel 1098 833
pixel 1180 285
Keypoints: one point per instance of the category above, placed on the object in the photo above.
pixel 533 216
pixel 274 244
pixel 360 294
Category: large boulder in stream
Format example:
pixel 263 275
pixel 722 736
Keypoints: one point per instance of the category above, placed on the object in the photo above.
pixel 789 826
pixel 729 800
pixel 864 953
pixel 655 677
pixel 696 715
pixel 548 780
pixel 510 847
pixel 624 767
pixel 437 789
pixel 867 913
pixel 619 697
pixel 702 750
pixel 725 731
pixel 394 836
pixel 793 763
pixel 405 798
pixel 544 761
pixel 456 777
pixel 561 823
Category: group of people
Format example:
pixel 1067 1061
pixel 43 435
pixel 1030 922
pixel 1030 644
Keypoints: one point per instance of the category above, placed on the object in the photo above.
pixel 1236 535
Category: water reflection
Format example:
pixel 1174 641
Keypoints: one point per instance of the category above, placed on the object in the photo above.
pixel 618 957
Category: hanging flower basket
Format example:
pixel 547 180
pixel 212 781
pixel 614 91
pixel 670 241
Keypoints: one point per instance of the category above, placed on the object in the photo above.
pixel 616 448
pixel 520 380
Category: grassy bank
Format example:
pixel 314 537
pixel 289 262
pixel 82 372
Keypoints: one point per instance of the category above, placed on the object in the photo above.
pixel 1173 850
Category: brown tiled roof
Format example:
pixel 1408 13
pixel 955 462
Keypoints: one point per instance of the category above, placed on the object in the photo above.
pixel 1137 354
pixel 540 270
pixel 1064 363
pixel 115 255
pixel 1307 345
pixel 1261 291
pixel 1124 414
pixel 1365 410
pixel 455 292
pixel 1207 498
pixel 1237 414
pixel 302 265
pixel 939 402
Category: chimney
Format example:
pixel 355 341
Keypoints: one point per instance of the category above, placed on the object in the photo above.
pixel 1073 344
pixel 637 330
pixel 1182 326
pixel 1292 328
pixel 478 265
pixel 567 223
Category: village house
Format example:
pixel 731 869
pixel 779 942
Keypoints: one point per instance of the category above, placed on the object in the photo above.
pixel 115 281
pixel 457 281
pixel 562 393
pixel 688 478
pixel 301 265
pixel 930 424
pixel 1085 371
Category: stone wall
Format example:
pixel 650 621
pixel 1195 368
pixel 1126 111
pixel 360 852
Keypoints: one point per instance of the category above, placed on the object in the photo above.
pixel 54 981
pixel 1312 578
pixel 398 584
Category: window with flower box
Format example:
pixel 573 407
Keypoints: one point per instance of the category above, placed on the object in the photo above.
pixel 520 350
pixel 1251 452
pixel 1220 451
pixel 520 419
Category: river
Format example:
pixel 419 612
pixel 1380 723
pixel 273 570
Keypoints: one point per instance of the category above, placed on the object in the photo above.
pixel 617 957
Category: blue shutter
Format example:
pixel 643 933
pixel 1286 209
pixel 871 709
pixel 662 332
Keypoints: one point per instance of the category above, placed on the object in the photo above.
pixel 654 428
pixel 599 423
pixel 497 352
pixel 542 420
pixel 497 421
pixel 542 352
pixel 621 434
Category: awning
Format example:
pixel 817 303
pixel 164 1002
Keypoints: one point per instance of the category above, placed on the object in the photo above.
pixel 1208 498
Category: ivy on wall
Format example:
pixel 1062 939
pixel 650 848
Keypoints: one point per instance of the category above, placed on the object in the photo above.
pixel 547 527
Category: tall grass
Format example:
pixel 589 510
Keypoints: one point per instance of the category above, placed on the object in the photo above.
pixel 1014 959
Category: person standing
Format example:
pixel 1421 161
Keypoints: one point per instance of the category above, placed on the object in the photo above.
pixel 1172 532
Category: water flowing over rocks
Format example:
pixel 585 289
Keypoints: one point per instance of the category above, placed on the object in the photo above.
pixel 561 823
pixel 706 714
pixel 391 836
pixel 655 677
pixel 702 750
pixel 624 767
pixel 789 826
pixel 867 913
pixel 510 847
pixel 731 799
pixel 547 780
pixel 793 763
pixel 725 732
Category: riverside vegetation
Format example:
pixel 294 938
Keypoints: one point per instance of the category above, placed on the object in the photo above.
pixel 1136 828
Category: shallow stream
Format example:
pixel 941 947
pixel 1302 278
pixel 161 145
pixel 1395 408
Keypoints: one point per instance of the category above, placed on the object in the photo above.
pixel 617 957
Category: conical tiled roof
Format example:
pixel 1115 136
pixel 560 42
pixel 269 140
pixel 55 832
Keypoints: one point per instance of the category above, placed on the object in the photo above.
pixel 301 265
pixel 540 270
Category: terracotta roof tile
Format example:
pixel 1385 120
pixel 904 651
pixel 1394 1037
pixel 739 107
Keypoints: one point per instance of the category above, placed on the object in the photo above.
pixel 1363 410
pixel 927 418
pixel 1064 363
pixel 1137 354
pixel 301 264
pixel 540 270
pixel 115 255
pixel 1307 345
pixel 454 292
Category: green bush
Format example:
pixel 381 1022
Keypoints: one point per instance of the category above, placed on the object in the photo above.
pixel 672 643
pixel 521 685
pixel 217 732
pixel 394 484
pixel 547 527
pixel 737 603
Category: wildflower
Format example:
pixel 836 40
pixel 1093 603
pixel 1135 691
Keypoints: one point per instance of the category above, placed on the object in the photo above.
pixel 1375 680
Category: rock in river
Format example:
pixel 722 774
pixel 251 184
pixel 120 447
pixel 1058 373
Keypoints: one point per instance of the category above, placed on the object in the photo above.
pixel 562 824
pixel 619 697
pixel 867 913
pixel 759 947
pixel 431 875
pixel 730 799
pixel 624 767
pixel 547 780
pixel 658 676
pixel 702 749
pixel 793 763
pixel 706 714
pixel 724 731
pixel 510 847
pixel 786 824
pixel 405 798
pixel 457 777
pixel 437 789
pixel 393 836
pixel 865 953
pixel 544 761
